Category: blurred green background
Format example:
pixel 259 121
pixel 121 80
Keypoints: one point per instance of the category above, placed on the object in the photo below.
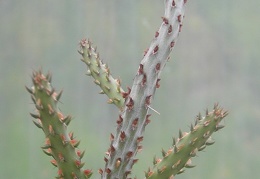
pixel 216 59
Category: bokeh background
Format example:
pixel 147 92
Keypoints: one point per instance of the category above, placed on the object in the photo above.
pixel 216 59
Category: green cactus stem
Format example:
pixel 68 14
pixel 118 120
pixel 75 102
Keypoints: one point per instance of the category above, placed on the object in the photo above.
pixel 59 144
pixel 134 117
pixel 187 145
pixel 101 74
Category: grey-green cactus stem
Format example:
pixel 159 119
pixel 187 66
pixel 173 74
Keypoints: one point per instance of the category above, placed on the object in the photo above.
pixel 101 74
pixel 187 145
pixel 59 144
pixel 134 117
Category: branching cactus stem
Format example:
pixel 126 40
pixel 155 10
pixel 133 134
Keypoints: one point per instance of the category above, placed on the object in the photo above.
pixel 134 105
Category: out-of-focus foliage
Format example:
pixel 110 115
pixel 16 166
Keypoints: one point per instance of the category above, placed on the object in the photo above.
pixel 216 59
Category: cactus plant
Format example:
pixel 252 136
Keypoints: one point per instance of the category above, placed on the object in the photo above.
pixel 134 105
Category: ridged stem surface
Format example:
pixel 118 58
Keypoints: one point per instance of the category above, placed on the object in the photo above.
pixel 59 144
pixel 134 117
pixel 101 74
pixel 187 145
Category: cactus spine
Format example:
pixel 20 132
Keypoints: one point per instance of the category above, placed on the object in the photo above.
pixel 59 144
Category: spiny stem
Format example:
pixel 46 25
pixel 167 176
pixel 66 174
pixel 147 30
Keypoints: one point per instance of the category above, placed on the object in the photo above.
pixel 59 144
pixel 135 117
pixel 187 145
pixel 101 74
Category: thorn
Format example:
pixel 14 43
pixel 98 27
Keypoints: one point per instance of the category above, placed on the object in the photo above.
pixel 36 116
pixel 59 95
pixel 67 120
pixel 141 69
pixel 163 153
pixel 218 127
pixel 47 151
pixel 143 80
pixel 96 72
pixel 134 124
pixel 49 77
pixel 157 83
pixel 29 90
pixel 130 104
pixel 157 67
pixel 156 34
pixel 155 50
pixel 193 153
pixel 101 92
pixel 129 154
pixel 176 164
pixel 88 173
pixel 122 136
pixel 108 171
pixel 80 52
pixel 80 154
pixel 74 143
pixel 210 141
pixel 170 29
pixel 179 18
pixel 112 137
pixel 100 171
pixel 54 163
pixel 139 139
pixel 107 88
pixel 153 110
pixel 173 3
pixel 97 82
pixel 147 120
pixel 199 116
pixel 207 112
pixel 51 131
pixel 165 20
pixel 172 45
pixel 173 141
pixel 202 148
pixel 88 73
pixel 148 100
pixel 180 134
pixel 38 123
pixel 119 120
pixel 79 164
pixel 110 101
pixel 118 162
pixel 191 128
pixel 50 109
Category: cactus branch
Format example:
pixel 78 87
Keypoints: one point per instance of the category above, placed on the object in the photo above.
pixel 59 144
pixel 134 117
pixel 187 145
pixel 101 74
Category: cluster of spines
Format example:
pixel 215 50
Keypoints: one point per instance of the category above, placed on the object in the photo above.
pixel 101 74
pixel 59 144
pixel 187 145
